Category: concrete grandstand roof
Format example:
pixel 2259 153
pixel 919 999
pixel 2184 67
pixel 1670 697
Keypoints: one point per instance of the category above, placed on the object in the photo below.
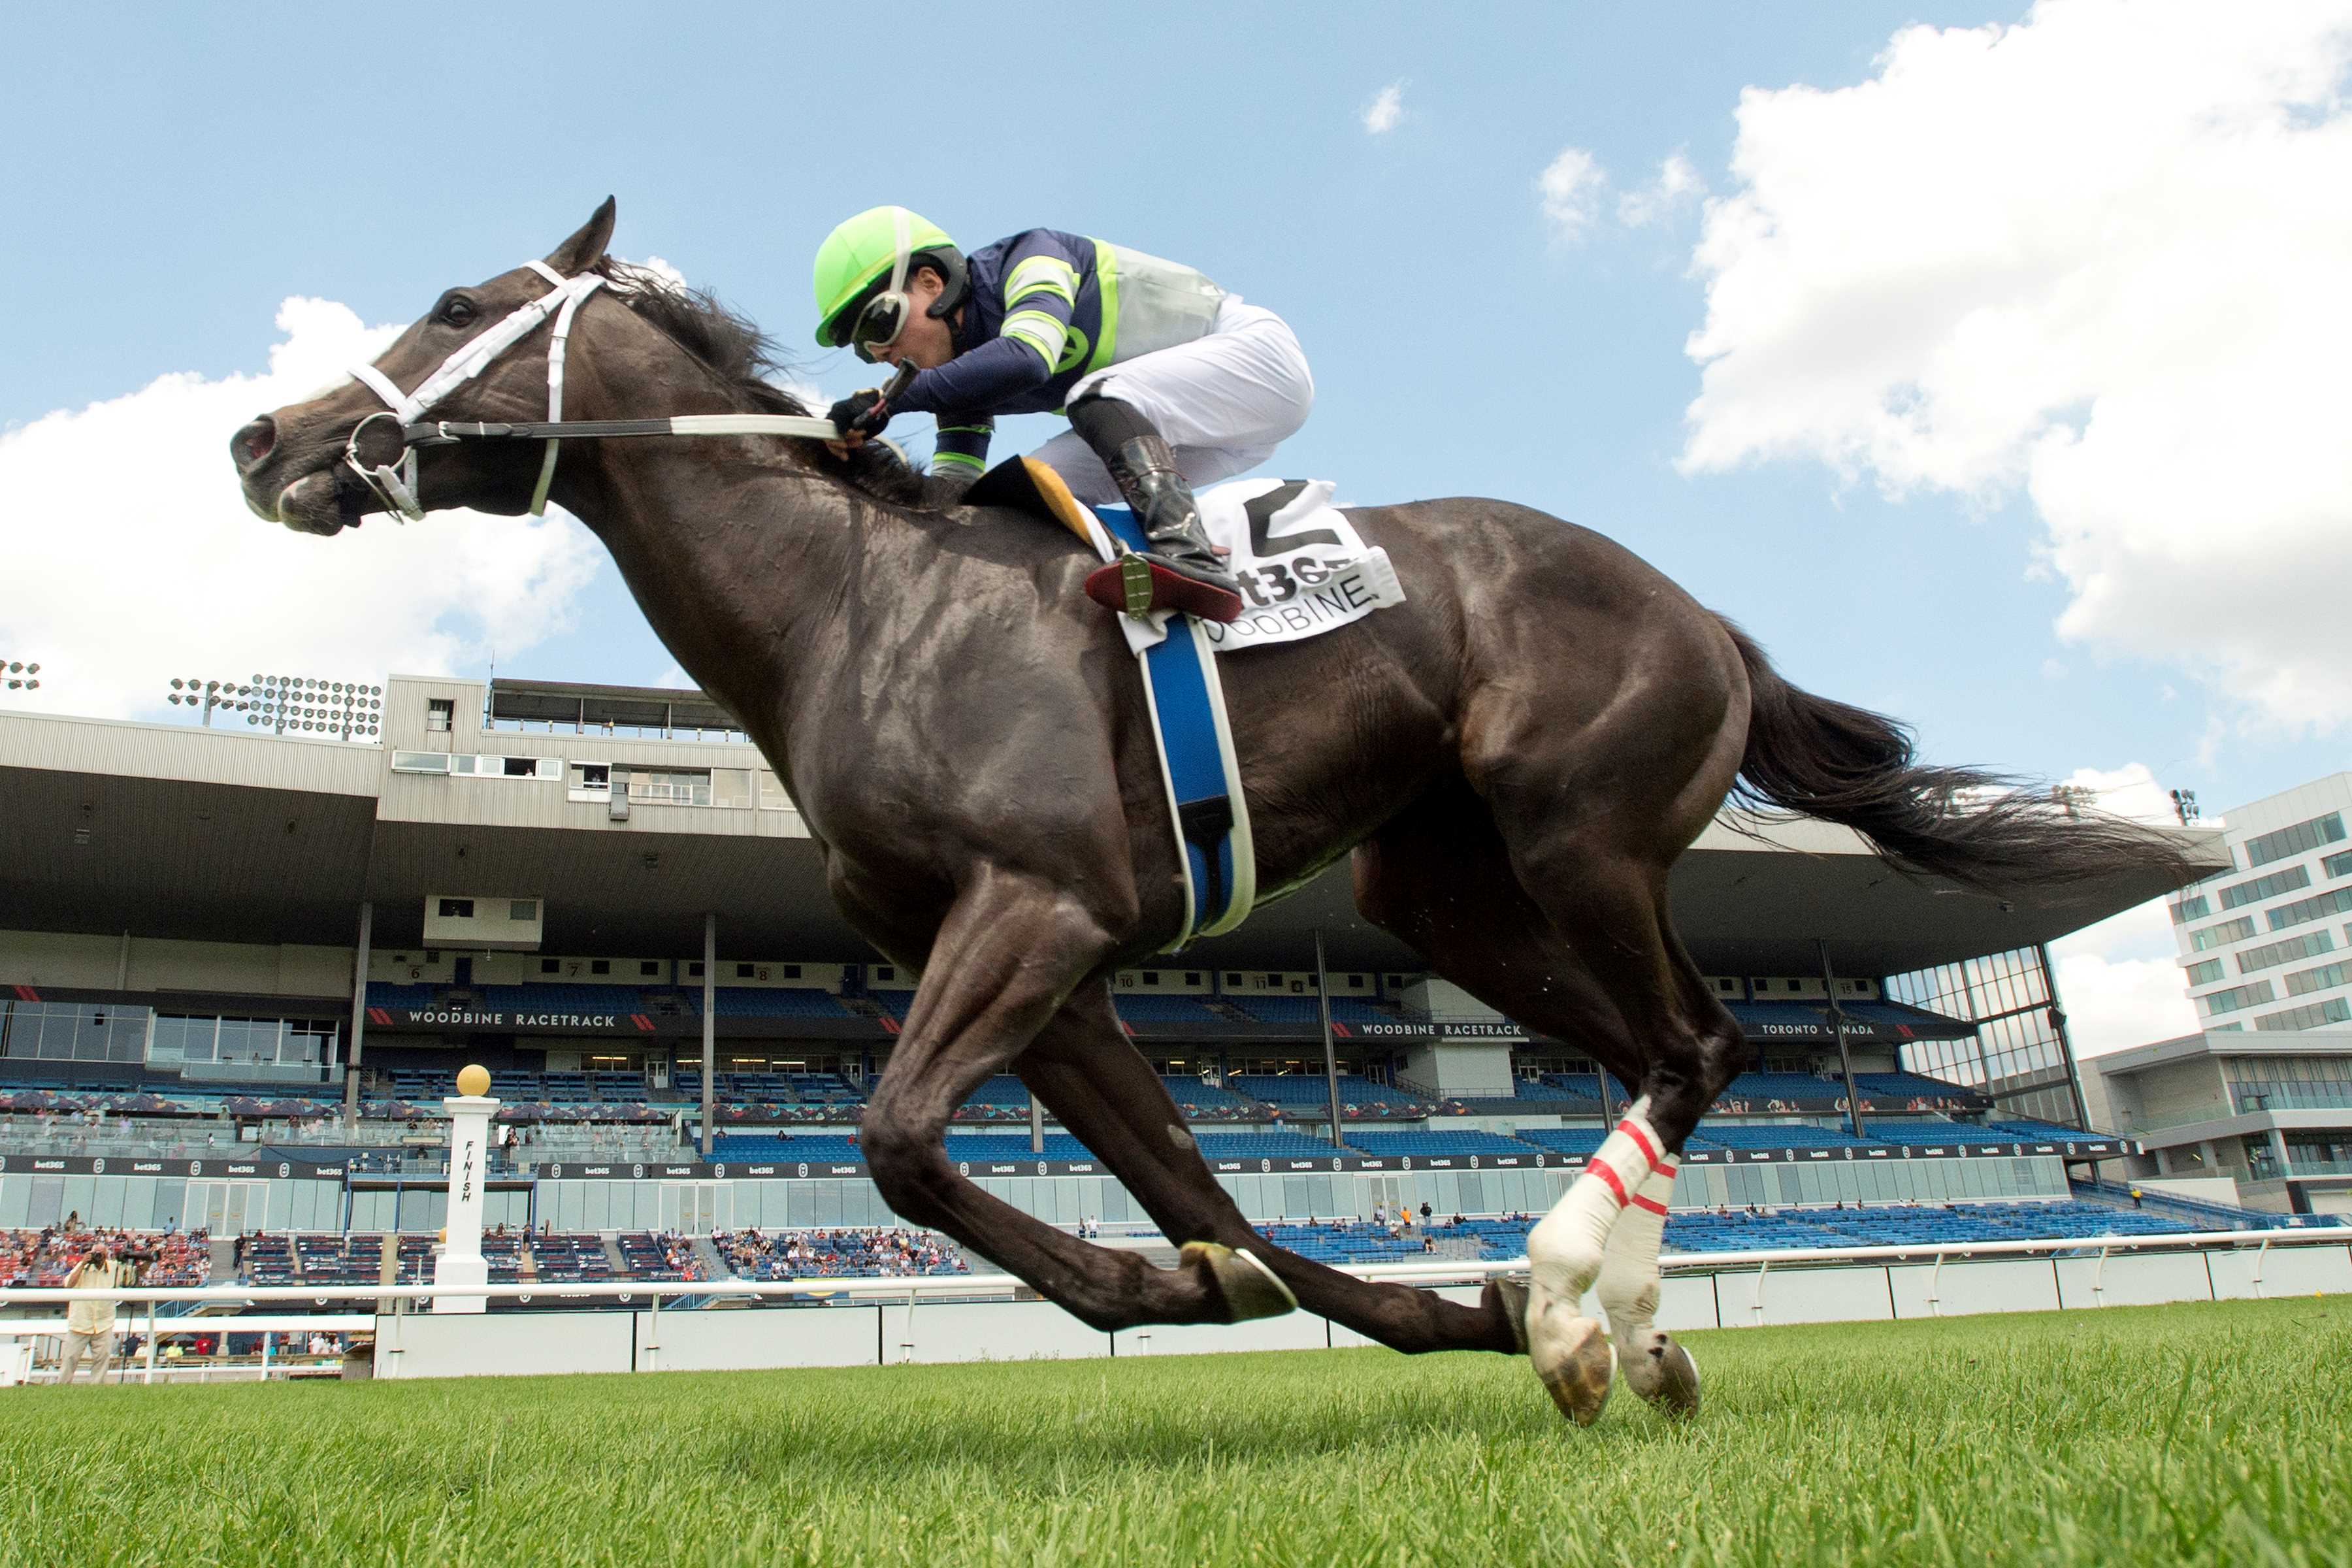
pixel 176 831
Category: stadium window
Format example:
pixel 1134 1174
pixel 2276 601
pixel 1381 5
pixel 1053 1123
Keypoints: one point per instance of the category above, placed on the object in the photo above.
pixel 1151 977
pixel 2310 1016
pixel 2326 977
pixel 522 909
pixel 456 909
pixel 885 971
pixel 551 966
pixel 439 714
pixel 2337 865
pixel 1274 981
pixel 2318 906
pixel 2236 997
pixel 792 972
pixel 600 966
pixel 1355 983
pixel 1191 977
pixel 694 970
pixel 1232 979
pixel 521 767
pixel 2294 839
pixel 2187 909
pixel 649 968
pixel 2264 889
pixel 2225 933
pixel 2205 974
pixel 2271 954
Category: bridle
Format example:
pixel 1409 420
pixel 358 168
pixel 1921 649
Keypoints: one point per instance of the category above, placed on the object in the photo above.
pixel 394 482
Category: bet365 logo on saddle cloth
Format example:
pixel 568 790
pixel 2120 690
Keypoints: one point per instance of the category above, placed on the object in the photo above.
pixel 1302 566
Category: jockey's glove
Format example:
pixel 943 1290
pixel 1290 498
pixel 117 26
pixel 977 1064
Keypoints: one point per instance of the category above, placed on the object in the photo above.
pixel 862 412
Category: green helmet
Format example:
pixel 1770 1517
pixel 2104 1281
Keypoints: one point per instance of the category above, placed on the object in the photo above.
pixel 863 251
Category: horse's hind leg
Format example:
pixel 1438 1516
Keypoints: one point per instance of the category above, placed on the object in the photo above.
pixel 1443 879
pixel 1085 1068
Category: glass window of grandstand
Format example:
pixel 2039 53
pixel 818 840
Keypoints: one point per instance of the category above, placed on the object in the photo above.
pixel 2288 841
pixel 203 1046
pixel 72 1032
pixel 438 712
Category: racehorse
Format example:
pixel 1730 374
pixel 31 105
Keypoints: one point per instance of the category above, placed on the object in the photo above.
pixel 1515 757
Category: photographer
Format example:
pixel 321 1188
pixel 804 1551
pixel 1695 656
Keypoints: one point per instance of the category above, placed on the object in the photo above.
pixel 89 1325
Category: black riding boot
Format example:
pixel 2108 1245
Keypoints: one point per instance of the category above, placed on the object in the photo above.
pixel 1145 470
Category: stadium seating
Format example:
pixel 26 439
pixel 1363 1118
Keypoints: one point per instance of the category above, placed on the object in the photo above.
pixel 1344 1242
pixel 1717 1133
pixel 767 1001
pixel 858 1252
pixel 1933 1132
pixel 1281 1145
pixel 1788 1086
pixel 1906 1085
pixel 1467 1141
pixel 1358 1096
pixel 1563 1140
pixel 1892 1224
pixel 1307 1009
pixel 1150 1009
pixel 569 1259
pixel 1006 1146
pixel 659 1258
pixel 753 1148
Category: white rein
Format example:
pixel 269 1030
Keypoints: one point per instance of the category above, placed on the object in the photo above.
pixel 394 483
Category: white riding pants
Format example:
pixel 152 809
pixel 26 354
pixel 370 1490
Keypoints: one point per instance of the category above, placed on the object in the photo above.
pixel 1223 401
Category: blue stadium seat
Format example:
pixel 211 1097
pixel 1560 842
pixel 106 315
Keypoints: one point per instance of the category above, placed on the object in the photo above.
pixel 1468 1141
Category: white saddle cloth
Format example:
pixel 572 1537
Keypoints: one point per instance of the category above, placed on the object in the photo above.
pixel 1303 568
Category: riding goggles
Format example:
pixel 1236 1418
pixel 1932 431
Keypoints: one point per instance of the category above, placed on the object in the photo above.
pixel 882 319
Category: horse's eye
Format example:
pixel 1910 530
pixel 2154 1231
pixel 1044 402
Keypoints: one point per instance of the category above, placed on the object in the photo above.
pixel 457 311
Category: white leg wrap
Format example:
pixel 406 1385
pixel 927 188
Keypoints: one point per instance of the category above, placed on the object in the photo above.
pixel 1565 1251
pixel 1629 1269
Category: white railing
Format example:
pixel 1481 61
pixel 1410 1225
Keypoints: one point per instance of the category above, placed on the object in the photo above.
pixel 899 1288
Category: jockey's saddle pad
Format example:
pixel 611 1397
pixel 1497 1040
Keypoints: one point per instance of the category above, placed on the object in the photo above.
pixel 1303 568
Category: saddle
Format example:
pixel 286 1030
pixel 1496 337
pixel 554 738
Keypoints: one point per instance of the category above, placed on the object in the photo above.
pixel 1125 581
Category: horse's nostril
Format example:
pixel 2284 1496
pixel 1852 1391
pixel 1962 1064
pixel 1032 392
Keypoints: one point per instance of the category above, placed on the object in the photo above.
pixel 253 443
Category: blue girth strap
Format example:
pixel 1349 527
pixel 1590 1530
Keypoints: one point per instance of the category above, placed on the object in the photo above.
pixel 1196 760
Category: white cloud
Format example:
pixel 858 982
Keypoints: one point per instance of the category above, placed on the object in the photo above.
pixel 1570 189
pixel 1678 184
pixel 2096 259
pixel 2120 980
pixel 1387 107
pixel 132 558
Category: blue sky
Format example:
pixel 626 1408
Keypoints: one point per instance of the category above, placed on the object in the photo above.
pixel 199 165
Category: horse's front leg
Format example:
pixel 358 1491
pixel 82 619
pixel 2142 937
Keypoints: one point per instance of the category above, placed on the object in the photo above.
pixel 1011 949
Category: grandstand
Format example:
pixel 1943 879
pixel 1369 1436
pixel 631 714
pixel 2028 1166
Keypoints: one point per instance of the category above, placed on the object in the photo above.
pixel 204 1011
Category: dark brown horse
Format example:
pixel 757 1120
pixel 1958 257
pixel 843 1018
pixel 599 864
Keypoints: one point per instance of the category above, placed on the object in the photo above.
pixel 1515 757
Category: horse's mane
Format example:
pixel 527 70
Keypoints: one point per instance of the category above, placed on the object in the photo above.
pixel 746 361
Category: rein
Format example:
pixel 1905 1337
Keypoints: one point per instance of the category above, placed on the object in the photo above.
pixel 394 483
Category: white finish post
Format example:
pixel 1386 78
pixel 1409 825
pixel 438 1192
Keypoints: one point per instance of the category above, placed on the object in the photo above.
pixel 460 1260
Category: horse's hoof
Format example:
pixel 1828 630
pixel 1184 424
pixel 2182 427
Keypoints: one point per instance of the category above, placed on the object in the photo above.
pixel 1575 1360
pixel 1250 1289
pixel 1513 1296
pixel 1661 1371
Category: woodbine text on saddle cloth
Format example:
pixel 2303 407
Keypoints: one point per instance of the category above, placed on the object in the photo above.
pixel 1303 568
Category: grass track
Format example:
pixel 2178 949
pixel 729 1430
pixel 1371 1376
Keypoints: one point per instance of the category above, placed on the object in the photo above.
pixel 2206 1434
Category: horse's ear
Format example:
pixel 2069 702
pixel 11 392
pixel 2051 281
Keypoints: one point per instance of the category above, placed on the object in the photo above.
pixel 586 247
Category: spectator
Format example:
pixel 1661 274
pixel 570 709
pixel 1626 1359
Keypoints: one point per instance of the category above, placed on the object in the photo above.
pixel 89 1325
pixel 1424 1213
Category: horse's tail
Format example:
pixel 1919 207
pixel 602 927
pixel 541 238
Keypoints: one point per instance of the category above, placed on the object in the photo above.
pixel 1844 764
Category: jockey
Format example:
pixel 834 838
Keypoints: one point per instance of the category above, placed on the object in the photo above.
pixel 1167 380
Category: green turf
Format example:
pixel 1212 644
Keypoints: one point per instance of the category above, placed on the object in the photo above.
pixel 2175 1434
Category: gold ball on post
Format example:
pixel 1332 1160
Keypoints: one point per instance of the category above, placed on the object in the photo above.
pixel 474 1080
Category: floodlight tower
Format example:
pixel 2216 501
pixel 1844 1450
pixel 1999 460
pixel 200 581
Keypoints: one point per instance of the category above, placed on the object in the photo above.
pixel 346 710
pixel 20 674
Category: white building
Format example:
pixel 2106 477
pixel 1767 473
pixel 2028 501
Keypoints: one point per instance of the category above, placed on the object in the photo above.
pixel 2267 945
